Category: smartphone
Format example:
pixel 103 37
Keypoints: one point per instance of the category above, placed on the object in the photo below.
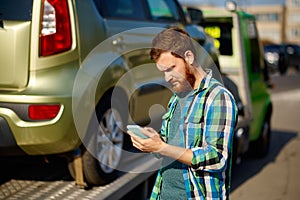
pixel 136 129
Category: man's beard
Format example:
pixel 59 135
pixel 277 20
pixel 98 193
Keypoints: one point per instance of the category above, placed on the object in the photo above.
pixel 187 83
pixel 190 77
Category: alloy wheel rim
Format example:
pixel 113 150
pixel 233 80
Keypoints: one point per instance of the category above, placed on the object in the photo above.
pixel 109 141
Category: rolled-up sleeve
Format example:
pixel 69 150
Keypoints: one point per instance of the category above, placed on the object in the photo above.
pixel 218 129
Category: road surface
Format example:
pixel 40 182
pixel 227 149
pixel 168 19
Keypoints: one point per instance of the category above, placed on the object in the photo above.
pixel 275 177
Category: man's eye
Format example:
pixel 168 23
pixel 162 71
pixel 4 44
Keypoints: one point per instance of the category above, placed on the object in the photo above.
pixel 169 69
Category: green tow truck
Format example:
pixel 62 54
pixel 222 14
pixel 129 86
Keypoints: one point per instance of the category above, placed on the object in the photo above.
pixel 241 59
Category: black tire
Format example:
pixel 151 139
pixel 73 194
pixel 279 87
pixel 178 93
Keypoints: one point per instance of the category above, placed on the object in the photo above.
pixel 103 153
pixel 71 167
pixel 260 147
pixel 298 67
pixel 282 70
pixel 234 153
pixel 282 65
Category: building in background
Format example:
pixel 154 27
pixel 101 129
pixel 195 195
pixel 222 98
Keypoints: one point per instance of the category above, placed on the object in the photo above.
pixel 278 23
pixel 270 21
pixel 292 21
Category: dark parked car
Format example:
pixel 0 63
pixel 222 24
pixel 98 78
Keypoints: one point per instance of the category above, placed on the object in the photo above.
pixel 281 56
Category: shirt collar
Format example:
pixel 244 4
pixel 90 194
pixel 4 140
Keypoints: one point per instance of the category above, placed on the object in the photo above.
pixel 204 82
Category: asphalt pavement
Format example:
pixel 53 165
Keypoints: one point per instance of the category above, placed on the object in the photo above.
pixel 275 177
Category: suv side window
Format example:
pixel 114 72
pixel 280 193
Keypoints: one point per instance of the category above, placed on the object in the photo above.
pixel 163 10
pixel 9 10
pixel 124 9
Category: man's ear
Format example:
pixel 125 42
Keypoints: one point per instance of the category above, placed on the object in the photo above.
pixel 189 57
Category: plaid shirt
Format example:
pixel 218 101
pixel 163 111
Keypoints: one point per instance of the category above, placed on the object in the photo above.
pixel 207 126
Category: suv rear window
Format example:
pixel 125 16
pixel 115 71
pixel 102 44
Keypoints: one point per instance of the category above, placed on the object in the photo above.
pixel 20 10
pixel 124 9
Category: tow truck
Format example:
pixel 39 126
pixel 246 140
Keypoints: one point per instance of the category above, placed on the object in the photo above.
pixel 241 59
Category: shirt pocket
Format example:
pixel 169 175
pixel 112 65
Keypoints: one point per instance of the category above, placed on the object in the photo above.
pixel 194 128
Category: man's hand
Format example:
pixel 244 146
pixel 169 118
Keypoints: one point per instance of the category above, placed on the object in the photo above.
pixel 152 144
pixel 156 145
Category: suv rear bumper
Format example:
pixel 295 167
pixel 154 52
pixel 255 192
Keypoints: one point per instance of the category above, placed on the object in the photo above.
pixel 19 136
pixel 40 137
pixel 8 144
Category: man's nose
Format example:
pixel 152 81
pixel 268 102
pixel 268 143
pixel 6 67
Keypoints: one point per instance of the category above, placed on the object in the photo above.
pixel 168 76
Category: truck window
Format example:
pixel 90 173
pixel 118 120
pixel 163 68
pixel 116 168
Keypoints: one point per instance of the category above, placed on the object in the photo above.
pixel 129 9
pixel 254 47
pixel 222 33
pixel 15 10
pixel 163 10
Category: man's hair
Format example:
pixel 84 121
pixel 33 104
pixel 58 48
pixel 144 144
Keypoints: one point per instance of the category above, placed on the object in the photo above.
pixel 174 40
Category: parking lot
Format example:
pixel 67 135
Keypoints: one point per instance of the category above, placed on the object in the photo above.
pixel 276 176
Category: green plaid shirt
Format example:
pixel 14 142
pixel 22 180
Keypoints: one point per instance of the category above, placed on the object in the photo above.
pixel 206 127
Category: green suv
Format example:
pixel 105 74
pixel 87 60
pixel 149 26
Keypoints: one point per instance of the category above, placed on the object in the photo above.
pixel 62 62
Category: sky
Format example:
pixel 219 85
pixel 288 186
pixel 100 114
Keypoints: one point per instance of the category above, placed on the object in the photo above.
pixel 239 2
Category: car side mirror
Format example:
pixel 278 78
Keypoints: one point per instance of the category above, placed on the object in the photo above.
pixel 196 15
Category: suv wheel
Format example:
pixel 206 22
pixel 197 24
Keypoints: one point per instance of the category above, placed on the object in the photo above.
pixel 103 152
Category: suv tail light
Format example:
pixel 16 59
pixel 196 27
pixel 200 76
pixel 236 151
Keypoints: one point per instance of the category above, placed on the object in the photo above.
pixel 55 31
pixel 43 112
